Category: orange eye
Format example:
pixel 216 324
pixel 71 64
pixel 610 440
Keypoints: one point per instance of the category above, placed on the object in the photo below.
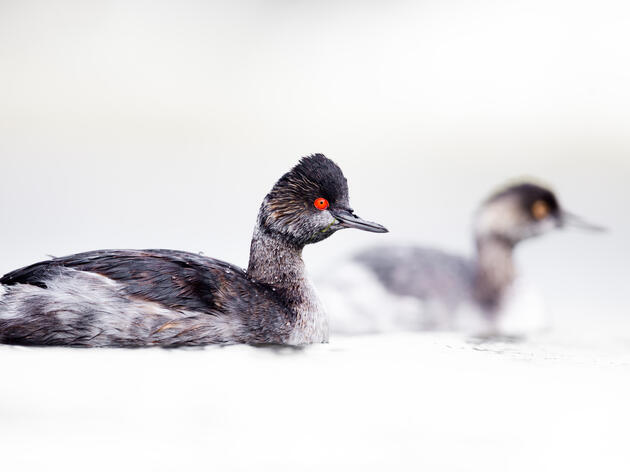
pixel 540 210
pixel 321 203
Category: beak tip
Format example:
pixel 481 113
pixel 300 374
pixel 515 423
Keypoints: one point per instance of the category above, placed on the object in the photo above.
pixel 375 228
pixel 574 221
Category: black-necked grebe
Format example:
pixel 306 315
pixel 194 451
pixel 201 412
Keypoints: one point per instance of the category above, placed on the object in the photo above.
pixel 396 288
pixel 134 298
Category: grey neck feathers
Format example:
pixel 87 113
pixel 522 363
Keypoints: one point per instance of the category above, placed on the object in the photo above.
pixel 277 263
pixel 494 271
pixel 274 261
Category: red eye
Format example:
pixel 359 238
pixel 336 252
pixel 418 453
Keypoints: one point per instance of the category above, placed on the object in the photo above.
pixel 321 203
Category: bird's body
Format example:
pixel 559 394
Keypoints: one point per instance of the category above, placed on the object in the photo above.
pixel 414 288
pixel 142 298
pixel 423 273
pixel 136 298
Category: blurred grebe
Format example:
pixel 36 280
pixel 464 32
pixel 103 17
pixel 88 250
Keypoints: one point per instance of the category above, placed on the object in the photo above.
pixel 415 288
pixel 161 297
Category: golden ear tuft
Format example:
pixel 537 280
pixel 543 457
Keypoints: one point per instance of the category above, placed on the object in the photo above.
pixel 540 210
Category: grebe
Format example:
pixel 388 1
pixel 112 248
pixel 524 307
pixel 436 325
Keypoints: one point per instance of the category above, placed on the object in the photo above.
pixel 415 288
pixel 136 298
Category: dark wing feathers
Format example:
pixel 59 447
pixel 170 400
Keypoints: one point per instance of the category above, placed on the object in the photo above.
pixel 176 279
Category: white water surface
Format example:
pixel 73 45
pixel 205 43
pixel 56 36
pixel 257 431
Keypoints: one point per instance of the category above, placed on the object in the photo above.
pixel 410 401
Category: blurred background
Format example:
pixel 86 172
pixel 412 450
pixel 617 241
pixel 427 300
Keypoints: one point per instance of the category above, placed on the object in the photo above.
pixel 136 124
pixel 133 124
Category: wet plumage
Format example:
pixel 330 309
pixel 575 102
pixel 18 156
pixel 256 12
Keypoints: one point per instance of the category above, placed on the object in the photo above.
pixel 134 298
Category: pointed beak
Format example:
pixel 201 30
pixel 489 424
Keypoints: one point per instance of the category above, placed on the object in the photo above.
pixel 347 219
pixel 570 220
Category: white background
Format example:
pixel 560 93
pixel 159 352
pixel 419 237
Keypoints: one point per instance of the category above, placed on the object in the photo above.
pixel 137 124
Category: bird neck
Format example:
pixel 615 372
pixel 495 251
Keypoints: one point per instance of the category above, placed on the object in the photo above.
pixel 494 271
pixel 278 264
pixel 274 261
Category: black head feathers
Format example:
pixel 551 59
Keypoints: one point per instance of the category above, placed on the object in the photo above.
pixel 309 203
pixel 529 195
pixel 315 176
pixel 288 211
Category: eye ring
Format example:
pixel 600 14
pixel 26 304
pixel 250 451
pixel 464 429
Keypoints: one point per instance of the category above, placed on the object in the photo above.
pixel 321 204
